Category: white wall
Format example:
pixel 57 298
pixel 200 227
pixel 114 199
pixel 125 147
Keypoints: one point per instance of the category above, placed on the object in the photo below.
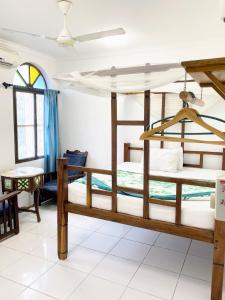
pixel 85 125
pixel 7 153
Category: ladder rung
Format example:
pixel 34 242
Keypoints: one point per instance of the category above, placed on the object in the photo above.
pixel 131 123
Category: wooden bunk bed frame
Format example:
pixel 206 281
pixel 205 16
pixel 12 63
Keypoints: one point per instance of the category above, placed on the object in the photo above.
pixel 208 73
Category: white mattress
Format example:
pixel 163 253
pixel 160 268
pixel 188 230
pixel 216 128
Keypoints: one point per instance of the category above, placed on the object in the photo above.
pixel 194 213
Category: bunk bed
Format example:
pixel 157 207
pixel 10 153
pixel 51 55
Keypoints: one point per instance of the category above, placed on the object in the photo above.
pixel 112 204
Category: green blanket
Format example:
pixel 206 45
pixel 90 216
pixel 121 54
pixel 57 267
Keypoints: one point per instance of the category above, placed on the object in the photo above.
pixel 158 189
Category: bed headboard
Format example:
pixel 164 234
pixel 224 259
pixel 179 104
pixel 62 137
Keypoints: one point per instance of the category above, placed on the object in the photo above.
pixel 128 148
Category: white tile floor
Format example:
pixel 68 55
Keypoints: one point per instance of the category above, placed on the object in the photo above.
pixel 107 261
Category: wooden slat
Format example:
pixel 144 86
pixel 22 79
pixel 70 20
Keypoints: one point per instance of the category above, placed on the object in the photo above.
pixel 209 84
pixel 114 150
pixel 88 186
pixel 185 140
pixel 163 109
pixel 146 156
pixel 130 123
pixel 192 165
pixel 223 162
pixel 217 85
pixel 178 203
pixel 162 202
pixel 101 192
pixel 4 217
pixel 203 69
pixel 194 182
pixel 216 153
pixel 9 196
pixel 10 215
pixel 185 231
pixel 203 152
pixel 90 170
pixel 130 190
pixel 136 148
pixel 62 215
pixel 126 152
pixel 183 127
pixel 201 160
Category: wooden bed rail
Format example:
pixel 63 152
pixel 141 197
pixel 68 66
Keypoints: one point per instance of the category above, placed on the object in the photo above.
pixel 113 194
pixel 128 148
pixel 89 170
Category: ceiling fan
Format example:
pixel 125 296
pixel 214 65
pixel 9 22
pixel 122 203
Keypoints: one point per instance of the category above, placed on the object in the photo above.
pixel 65 38
pixel 190 97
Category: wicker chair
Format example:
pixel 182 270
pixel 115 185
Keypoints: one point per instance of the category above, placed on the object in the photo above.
pixel 9 215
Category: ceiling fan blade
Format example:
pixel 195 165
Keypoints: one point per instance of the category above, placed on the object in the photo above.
pixel 29 34
pixel 99 35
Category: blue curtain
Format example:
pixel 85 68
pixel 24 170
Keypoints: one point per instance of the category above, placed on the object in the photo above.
pixel 51 130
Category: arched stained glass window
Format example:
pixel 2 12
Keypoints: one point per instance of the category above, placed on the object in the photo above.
pixel 27 75
pixel 29 86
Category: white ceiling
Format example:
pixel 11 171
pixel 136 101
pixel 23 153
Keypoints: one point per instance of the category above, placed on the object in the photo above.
pixel 149 23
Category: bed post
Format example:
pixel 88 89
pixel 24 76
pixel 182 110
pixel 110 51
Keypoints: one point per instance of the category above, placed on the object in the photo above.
pixel 114 150
pixel 126 152
pixel 62 216
pixel 183 127
pixel 146 156
pixel 163 115
pixel 223 160
pixel 218 260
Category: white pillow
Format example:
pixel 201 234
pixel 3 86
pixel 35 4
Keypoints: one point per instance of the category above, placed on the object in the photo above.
pixel 167 160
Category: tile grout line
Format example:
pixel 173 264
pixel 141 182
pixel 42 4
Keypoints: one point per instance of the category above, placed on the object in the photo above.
pixel 29 288
pixel 178 279
pixel 90 273
pixel 108 253
pixel 127 286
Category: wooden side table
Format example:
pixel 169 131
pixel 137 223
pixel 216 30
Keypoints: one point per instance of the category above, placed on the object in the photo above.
pixel 25 179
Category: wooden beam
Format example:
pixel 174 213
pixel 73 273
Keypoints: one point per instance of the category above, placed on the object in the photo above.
pixel 208 84
pixel 180 230
pixel 163 115
pixel 214 64
pixel 130 123
pixel 114 150
pixel 62 214
pixel 223 160
pixel 218 261
pixel 162 202
pixel 185 140
pixel 89 170
pixel 88 186
pixel 178 203
pixel 101 192
pixel 216 84
pixel 130 190
pixel 193 182
pixel 146 156
pixel 126 152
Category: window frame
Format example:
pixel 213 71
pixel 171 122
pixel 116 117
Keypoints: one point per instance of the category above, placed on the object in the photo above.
pixel 34 92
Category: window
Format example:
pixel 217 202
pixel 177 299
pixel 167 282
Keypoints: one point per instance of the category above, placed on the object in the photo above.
pixel 29 85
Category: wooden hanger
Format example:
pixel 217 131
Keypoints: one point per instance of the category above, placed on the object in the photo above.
pixel 184 113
